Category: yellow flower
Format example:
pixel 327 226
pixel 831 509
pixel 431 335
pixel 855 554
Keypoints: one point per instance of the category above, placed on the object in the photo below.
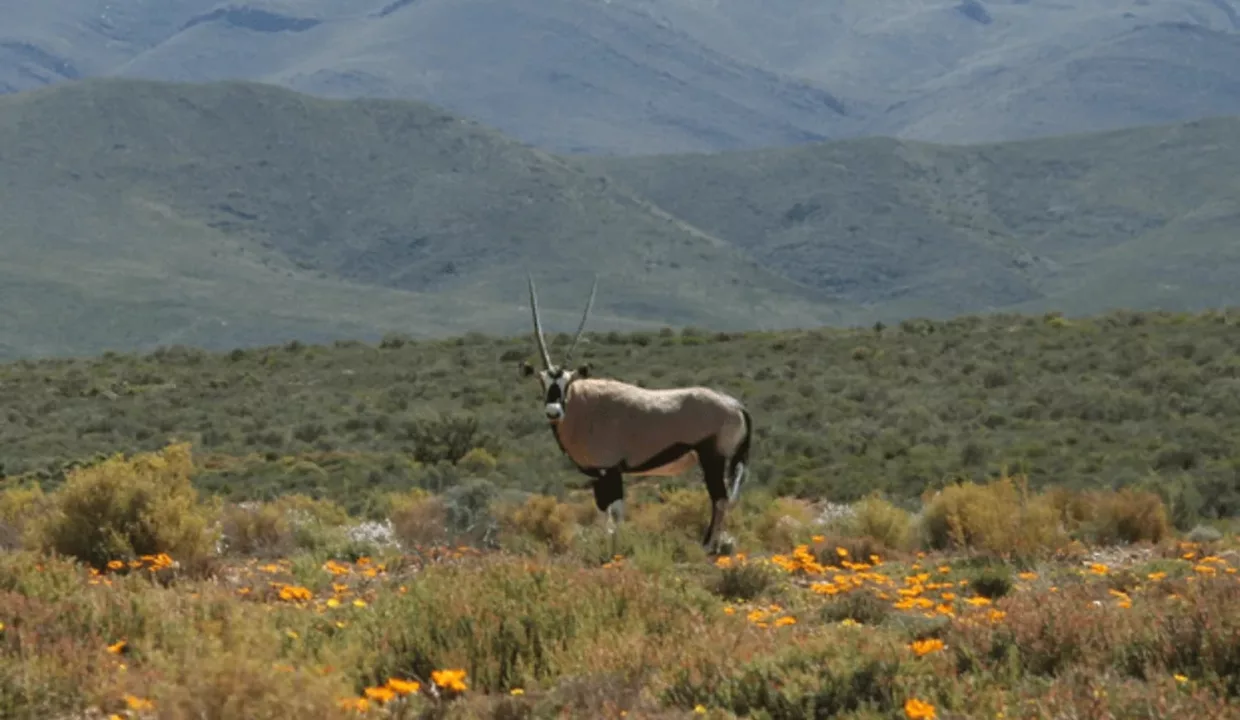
pixel 1027 576
pixel 335 568
pixel 699 709
pixel 786 620
pixel 136 703
pixel 294 593
pixel 1180 678
pixel 380 694
pixel 359 603
pixel 117 648
pixel 1156 576
pixel 1098 568
pixel 841 552
pixel 516 691
pixel 360 704
pixel 927 646
pixel 915 709
pixel 451 679
pixel 403 687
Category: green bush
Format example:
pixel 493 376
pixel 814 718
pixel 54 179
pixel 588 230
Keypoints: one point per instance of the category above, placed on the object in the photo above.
pixel 126 508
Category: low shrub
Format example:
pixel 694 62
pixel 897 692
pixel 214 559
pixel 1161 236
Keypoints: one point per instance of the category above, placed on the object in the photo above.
pixel 541 519
pixel 742 580
pixel 763 522
pixel 683 512
pixel 519 624
pixel 288 523
pixel 1129 516
pixel 1000 518
pixel 125 508
pixel 878 519
pixel 18 505
pixel 418 518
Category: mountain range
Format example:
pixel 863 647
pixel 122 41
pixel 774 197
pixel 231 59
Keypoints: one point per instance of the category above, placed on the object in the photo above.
pixel 642 77
pixel 137 213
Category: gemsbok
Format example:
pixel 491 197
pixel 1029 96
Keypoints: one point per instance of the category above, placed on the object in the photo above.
pixel 610 428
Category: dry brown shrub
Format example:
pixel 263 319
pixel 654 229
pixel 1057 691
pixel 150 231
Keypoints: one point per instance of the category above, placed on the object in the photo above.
pixel 681 512
pixel 999 518
pixel 1108 517
pixel 881 521
pixel 1130 516
pixel 280 526
pixel 780 524
pixel 542 519
pixel 18 505
pixel 418 518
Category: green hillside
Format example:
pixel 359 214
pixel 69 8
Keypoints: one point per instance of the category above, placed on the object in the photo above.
pixel 1123 399
pixel 1144 218
pixel 136 214
pixel 139 213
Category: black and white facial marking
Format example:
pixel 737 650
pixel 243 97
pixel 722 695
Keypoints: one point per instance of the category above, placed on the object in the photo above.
pixel 555 385
pixel 555 382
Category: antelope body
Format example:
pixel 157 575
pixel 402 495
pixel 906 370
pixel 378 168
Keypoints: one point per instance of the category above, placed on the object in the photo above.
pixel 610 429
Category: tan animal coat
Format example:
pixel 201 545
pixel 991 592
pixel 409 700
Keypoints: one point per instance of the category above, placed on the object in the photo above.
pixel 609 423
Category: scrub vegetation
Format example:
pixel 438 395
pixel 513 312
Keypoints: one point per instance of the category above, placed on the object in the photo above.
pixel 1004 516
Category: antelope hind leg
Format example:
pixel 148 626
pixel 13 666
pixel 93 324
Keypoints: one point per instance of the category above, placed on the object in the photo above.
pixel 718 515
pixel 713 467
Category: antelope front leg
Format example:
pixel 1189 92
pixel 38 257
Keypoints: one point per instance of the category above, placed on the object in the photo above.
pixel 609 498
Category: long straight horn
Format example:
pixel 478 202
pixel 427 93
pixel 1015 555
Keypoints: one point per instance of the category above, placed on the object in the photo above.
pixel 569 355
pixel 538 333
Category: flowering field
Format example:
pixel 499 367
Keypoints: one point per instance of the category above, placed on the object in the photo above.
pixel 127 595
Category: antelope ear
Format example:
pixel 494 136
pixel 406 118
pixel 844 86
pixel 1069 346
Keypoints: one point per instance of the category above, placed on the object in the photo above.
pixel 526 368
pixel 583 371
